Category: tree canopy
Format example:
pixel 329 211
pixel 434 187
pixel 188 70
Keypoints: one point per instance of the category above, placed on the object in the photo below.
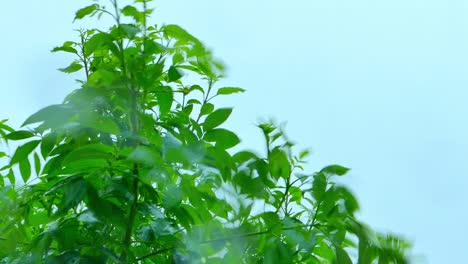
pixel 135 166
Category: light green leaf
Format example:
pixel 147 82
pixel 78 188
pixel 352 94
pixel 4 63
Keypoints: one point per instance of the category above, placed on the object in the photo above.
pixel 165 98
pixel 101 123
pixel 279 164
pixel 66 47
pixel 206 109
pixel 54 114
pixel 334 170
pixel 216 118
pixel 131 11
pixel 73 67
pixel 229 90
pixel 224 138
pixel 85 11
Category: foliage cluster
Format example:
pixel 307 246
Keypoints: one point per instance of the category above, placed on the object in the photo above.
pixel 135 167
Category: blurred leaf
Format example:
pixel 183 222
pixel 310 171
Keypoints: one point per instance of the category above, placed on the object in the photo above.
pixel 279 164
pixel 165 99
pixel 335 170
pixel 224 138
pixel 54 114
pixel 73 67
pixel 85 11
pixel 229 90
pixel 342 256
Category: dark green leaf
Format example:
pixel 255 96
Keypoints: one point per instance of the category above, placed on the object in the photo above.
pixel 91 151
pixel 319 186
pixel 229 90
pixel 37 164
pixel 22 152
pixel 25 170
pixel 18 135
pixel 11 177
pixel 216 118
pixel 173 74
pixel 48 143
pixel 224 138
pixel 74 192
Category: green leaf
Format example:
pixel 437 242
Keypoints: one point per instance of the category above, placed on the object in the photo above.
pixel 99 41
pixel 279 164
pixel 342 256
pixel 48 143
pixel 53 114
pixel 85 11
pixel 37 164
pixel 165 98
pixel 216 118
pixel 206 109
pixel 296 194
pixel 11 177
pixel 173 74
pixel 224 138
pixel 335 170
pixel 179 33
pixel 66 47
pixel 74 192
pixel 22 152
pixel 91 151
pixel 229 90
pixel 18 135
pixel 132 12
pixel 319 186
pixel 101 123
pixel 73 67
pixel 25 169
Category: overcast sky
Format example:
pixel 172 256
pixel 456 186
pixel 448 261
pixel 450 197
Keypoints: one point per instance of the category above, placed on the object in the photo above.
pixel 377 86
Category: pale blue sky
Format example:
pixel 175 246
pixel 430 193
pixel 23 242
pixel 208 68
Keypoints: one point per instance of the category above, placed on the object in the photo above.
pixel 378 86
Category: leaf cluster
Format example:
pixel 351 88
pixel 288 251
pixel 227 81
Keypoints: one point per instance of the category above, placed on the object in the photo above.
pixel 135 166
